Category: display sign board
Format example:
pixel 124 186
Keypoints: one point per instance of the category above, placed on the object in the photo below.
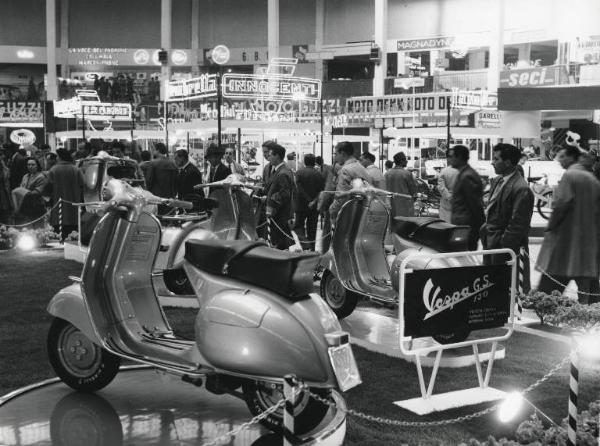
pixel 21 111
pixel 115 57
pixel 199 87
pixel 440 301
pixel 92 110
pixel 532 77
pixel 476 100
pixel 425 44
pixel 409 82
pixel 398 104
pixel 487 119
pixel 271 87
pixel 22 137
pixel 586 50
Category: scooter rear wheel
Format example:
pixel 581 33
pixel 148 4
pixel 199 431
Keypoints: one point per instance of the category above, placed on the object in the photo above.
pixel 77 361
pixel 260 396
pixel 339 299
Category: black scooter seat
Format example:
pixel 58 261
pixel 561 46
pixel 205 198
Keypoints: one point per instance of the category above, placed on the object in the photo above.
pixel 433 233
pixel 288 274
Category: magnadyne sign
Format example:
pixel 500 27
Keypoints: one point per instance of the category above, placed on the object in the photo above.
pixel 425 44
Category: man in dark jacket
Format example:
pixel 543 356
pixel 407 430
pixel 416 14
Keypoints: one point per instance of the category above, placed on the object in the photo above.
pixel 467 195
pixel 279 191
pixel 310 183
pixel 162 176
pixel 509 208
pixel 17 167
pixel 188 176
pixel 217 171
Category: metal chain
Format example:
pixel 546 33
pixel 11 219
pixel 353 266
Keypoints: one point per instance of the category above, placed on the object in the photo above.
pixel 292 238
pixel 545 273
pixel 37 219
pixel 460 419
pixel 256 419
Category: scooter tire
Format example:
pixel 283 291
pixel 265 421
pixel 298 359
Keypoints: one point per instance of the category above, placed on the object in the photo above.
pixel 342 305
pixel 77 361
pixel 542 205
pixel 309 411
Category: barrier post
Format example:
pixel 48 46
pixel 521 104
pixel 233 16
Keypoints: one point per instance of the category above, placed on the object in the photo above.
pixel 290 385
pixel 60 228
pixel 520 281
pixel 573 392
pixel 269 231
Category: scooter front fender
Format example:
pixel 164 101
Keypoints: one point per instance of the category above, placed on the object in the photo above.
pixel 68 304
pixel 327 261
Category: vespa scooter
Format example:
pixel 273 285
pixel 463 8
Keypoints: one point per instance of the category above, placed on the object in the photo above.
pixel 357 264
pixel 257 320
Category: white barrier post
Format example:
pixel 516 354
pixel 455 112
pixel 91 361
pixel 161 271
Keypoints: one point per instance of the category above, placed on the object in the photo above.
pixel 290 384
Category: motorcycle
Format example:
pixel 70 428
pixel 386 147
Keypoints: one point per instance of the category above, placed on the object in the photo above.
pixel 256 322
pixel 543 194
pixel 357 264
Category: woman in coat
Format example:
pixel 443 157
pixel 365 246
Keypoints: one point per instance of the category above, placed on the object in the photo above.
pixel 65 181
pixel 33 181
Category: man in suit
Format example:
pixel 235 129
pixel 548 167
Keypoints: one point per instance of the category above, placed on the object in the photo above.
pixel 467 195
pixel 230 162
pixel 266 154
pixel 351 169
pixel 310 183
pixel 401 181
pixel 509 209
pixel 188 176
pixel 162 176
pixel 279 191
pixel 377 179
pixel 217 170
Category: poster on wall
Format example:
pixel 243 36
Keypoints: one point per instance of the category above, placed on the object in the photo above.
pixel 586 50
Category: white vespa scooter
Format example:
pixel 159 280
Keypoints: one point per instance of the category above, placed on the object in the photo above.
pixel 256 321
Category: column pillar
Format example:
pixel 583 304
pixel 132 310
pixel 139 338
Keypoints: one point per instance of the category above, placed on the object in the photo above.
pixel 52 90
pixel 64 38
pixel 319 36
pixel 273 28
pixel 381 7
pixel 195 36
pixel 496 46
pixel 525 53
pixel 165 43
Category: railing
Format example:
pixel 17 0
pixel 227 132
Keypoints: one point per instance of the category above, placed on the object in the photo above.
pixel 463 80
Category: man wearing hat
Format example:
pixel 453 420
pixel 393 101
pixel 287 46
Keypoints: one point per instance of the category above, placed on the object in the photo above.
pixel 217 170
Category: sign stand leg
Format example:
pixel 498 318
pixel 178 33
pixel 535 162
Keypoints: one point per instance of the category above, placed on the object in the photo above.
pixel 426 392
pixel 483 382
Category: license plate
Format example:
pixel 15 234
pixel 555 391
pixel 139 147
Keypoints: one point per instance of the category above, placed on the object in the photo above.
pixel 344 367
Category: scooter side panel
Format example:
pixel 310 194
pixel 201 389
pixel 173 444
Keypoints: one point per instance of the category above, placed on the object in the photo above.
pixel 263 334
pixel 68 304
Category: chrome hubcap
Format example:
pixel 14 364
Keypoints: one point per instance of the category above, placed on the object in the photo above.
pixel 335 292
pixel 78 354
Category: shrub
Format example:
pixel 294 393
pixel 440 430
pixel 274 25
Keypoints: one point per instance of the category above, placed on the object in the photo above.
pixel 546 305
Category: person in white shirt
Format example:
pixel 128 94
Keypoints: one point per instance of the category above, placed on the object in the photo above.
pixel 229 161
pixel 376 177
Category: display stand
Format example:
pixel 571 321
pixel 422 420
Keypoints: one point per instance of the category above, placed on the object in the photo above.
pixel 428 402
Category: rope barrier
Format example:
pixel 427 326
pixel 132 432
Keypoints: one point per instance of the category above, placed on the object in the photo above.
pixel 47 214
pixel 545 273
pixel 293 239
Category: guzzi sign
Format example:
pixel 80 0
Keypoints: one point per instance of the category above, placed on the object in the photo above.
pixel 439 301
pixel 19 111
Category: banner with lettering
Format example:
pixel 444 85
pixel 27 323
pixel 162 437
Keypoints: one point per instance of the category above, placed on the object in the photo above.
pixel 21 111
pixel 438 301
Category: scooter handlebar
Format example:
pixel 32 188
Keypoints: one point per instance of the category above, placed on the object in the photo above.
pixel 179 204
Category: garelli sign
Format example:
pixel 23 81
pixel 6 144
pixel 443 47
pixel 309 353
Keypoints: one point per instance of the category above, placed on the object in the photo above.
pixel 532 77
pixel 271 87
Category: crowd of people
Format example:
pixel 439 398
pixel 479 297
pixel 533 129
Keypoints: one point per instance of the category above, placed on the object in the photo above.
pixel 31 179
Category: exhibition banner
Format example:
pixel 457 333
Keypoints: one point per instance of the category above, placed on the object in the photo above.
pixel 438 301
pixel 272 87
pixel 533 77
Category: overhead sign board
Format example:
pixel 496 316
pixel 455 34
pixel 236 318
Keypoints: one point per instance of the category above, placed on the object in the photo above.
pixel 20 111
pixel 117 57
pixel 475 100
pixel 271 87
pixel 220 54
pixel 199 87
pixel 401 104
pixel 425 44
pixel 487 119
pixel 92 110
pixel 532 77
pixel 408 82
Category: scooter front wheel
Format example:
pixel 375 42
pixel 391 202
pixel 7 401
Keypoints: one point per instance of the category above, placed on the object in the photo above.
pixel 309 412
pixel 339 299
pixel 77 361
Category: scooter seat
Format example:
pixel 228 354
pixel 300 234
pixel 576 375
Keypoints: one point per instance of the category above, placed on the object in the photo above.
pixel 433 233
pixel 288 274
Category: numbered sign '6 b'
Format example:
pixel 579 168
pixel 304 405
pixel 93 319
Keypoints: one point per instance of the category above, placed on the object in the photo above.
pixel 469 298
